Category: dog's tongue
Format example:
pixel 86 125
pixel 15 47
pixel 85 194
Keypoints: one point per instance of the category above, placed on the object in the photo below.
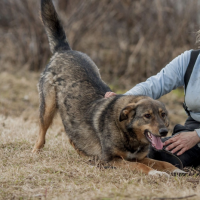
pixel 157 143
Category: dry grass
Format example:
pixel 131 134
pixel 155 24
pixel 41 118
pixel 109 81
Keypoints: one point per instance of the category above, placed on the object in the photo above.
pixel 58 172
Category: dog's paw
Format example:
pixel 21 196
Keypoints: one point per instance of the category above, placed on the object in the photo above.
pixel 158 173
pixel 35 150
pixel 179 172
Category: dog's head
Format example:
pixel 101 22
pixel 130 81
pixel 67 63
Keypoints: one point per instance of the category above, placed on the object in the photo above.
pixel 147 120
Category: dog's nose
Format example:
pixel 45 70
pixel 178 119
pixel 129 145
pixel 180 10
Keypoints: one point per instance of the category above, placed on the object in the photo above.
pixel 163 132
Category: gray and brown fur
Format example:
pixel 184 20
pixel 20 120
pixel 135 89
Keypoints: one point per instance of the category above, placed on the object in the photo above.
pixel 110 129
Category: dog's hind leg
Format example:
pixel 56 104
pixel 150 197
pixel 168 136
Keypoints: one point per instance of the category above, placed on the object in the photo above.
pixel 47 112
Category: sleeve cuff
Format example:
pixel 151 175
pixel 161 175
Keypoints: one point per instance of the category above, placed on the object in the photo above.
pixel 198 133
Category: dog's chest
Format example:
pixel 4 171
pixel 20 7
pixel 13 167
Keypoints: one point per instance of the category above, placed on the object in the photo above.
pixel 139 154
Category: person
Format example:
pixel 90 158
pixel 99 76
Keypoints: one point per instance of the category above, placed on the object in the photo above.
pixel 185 140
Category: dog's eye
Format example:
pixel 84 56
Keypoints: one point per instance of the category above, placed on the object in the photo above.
pixel 163 114
pixel 148 116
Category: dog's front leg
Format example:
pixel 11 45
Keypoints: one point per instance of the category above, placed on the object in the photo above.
pixel 161 166
pixel 136 166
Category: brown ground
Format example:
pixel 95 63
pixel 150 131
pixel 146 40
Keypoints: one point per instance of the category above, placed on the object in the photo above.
pixel 58 172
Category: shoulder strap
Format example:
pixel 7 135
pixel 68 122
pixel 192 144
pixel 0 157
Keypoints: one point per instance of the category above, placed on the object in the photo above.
pixel 193 58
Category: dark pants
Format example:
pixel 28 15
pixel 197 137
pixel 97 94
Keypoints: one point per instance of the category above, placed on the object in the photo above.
pixel 190 158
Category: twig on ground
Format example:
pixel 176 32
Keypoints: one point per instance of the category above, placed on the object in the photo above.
pixel 193 180
pixel 174 198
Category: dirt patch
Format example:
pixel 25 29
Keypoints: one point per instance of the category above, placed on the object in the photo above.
pixel 18 93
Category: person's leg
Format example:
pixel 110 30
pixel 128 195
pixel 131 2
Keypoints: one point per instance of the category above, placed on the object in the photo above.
pixel 191 124
pixel 189 158
pixel 163 155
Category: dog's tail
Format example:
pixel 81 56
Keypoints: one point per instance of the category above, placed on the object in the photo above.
pixel 53 27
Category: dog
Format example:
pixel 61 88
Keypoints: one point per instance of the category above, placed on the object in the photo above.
pixel 116 130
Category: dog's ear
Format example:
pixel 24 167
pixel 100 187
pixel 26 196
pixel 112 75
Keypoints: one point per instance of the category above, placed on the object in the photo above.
pixel 125 112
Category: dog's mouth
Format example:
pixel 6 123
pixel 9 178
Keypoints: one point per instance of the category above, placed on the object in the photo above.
pixel 154 140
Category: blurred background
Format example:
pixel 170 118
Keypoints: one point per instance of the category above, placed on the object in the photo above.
pixel 129 40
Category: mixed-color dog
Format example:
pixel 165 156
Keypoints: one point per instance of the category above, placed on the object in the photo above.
pixel 116 130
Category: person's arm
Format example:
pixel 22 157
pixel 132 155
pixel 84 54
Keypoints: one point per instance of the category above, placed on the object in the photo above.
pixel 169 78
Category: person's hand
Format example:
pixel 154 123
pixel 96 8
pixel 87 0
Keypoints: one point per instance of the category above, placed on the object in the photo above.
pixel 182 142
pixel 110 94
